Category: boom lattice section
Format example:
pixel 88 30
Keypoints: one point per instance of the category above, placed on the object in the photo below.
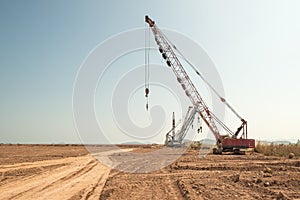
pixel 172 61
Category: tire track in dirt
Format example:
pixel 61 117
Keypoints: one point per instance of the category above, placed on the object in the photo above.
pixel 89 166
pixel 82 175
pixel 212 177
pixel 91 192
pixel 27 173
pixel 172 188
pixel 183 189
pixel 28 165
pixel 25 180
pixel 189 177
pixel 141 186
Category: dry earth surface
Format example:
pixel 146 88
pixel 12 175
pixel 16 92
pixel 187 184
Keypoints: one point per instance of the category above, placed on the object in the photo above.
pixel 70 172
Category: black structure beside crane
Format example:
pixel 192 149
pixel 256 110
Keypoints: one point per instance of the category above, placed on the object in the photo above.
pixel 225 143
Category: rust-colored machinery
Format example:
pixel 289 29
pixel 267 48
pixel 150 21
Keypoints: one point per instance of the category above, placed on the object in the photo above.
pixel 232 142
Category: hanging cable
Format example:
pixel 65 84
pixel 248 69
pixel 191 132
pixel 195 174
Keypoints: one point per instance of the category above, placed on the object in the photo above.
pixel 199 124
pixel 148 72
pixel 147 58
pixel 222 124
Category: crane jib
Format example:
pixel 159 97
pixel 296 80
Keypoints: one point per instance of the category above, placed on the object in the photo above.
pixel 166 49
pixel 190 90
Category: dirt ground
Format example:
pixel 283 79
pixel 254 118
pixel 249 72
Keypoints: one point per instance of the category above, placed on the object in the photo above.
pixel 70 172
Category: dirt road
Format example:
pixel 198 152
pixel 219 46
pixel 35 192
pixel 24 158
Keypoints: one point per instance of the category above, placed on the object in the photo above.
pixel 68 178
pixel 79 176
pixel 70 172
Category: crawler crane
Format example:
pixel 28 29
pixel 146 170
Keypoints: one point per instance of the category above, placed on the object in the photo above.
pixel 174 138
pixel 224 143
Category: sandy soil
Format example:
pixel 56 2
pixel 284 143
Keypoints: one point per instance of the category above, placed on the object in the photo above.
pixel 80 177
pixel 69 172
pixel 251 176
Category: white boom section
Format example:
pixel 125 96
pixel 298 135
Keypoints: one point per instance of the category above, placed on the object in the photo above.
pixel 188 120
pixel 177 138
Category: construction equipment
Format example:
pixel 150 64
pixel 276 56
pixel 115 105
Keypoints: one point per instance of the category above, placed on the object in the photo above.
pixel 176 138
pixel 229 142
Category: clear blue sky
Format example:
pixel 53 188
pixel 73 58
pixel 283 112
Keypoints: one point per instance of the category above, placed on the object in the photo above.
pixel 254 44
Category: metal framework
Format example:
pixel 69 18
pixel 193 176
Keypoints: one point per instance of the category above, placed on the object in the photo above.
pixel 188 120
pixel 176 138
pixel 182 77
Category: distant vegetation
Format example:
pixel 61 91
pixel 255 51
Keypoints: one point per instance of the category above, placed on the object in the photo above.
pixel 278 149
pixel 195 145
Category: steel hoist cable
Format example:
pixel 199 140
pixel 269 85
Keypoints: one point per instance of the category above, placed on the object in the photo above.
pixel 147 65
